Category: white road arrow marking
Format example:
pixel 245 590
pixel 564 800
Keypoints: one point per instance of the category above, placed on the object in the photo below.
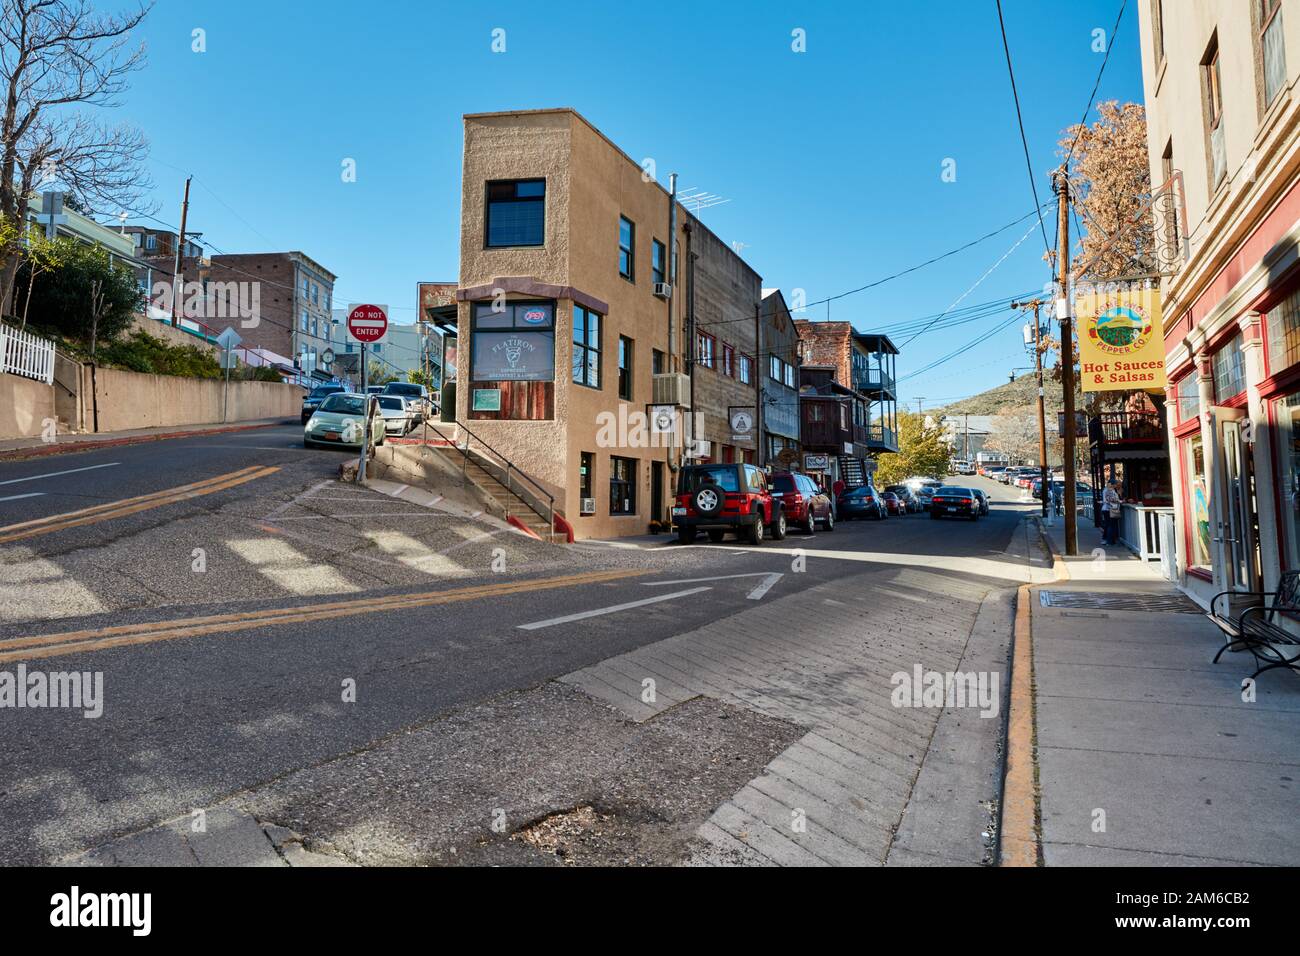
pixel 769 578
pixel 720 577
pixel 583 615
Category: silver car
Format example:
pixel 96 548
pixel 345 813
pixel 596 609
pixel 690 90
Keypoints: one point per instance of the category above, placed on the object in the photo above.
pixel 398 413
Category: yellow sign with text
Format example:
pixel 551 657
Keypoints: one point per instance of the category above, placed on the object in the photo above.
pixel 1121 340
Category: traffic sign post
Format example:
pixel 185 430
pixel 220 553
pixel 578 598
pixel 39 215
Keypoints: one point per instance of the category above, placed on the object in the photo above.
pixel 366 324
pixel 228 339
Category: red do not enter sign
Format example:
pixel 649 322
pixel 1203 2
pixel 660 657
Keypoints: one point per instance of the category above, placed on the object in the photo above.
pixel 367 323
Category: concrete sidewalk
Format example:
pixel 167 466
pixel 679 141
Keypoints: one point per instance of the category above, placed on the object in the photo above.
pixel 1148 753
pixel 16 448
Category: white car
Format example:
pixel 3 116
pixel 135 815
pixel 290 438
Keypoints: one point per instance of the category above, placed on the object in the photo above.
pixel 398 413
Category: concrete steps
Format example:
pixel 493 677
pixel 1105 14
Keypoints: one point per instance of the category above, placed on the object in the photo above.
pixel 515 506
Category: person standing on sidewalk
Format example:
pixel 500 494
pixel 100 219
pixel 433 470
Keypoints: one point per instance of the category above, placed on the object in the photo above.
pixel 1110 507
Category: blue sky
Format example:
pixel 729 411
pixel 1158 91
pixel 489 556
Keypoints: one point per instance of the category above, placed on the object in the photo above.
pixel 831 158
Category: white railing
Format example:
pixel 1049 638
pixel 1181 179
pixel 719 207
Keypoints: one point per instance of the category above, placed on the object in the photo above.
pixel 1140 529
pixel 23 353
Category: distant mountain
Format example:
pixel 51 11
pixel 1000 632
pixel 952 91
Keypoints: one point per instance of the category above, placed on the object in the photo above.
pixel 1010 397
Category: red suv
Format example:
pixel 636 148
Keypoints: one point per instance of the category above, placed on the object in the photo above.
pixel 803 502
pixel 726 497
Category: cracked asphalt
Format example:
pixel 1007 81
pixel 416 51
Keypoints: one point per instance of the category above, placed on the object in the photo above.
pixel 454 712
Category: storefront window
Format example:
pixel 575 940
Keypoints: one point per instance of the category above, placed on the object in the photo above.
pixel 1198 502
pixel 1284 334
pixel 1229 371
pixel 1286 411
pixel 513 342
pixel 1189 398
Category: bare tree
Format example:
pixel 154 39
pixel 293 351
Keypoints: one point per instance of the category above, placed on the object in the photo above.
pixel 1111 182
pixel 56 56
pixel 1015 433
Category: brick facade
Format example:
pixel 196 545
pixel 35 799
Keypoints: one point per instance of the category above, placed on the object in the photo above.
pixel 828 343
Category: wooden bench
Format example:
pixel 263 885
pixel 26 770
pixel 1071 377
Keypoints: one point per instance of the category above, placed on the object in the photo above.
pixel 1259 629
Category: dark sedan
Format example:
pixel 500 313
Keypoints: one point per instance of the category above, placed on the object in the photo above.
pixel 861 502
pixel 954 503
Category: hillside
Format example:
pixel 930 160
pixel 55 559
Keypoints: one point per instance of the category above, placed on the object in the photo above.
pixel 1006 398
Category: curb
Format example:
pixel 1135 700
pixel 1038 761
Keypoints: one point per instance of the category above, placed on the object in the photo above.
pixel 68 448
pixel 1021 828
pixel 1019 832
pixel 1059 567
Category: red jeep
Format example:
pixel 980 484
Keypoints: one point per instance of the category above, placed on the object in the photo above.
pixel 726 497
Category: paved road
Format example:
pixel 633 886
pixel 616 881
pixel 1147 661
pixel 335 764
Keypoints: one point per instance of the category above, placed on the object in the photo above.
pixel 426 616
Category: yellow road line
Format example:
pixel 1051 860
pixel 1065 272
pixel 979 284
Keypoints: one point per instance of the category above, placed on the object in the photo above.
pixel 129 506
pixel 72 642
pixel 1020 788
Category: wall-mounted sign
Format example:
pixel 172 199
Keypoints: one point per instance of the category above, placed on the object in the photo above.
pixel 742 423
pixel 487 399
pixel 1121 340
pixel 663 419
pixel 816 462
pixel 514 357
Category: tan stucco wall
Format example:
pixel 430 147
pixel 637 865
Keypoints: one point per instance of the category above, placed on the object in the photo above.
pixel 24 406
pixel 1174 94
pixel 132 400
pixel 589 184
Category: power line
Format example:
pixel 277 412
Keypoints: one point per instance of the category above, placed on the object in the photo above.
pixel 1024 142
pixel 976 284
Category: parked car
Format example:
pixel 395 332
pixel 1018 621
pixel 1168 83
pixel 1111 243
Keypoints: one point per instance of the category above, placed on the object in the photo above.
pixel 374 389
pixel 861 502
pixel 399 417
pixel 984 500
pixel 962 467
pixel 1081 488
pixel 1025 477
pixel 338 422
pixel 909 497
pixel 993 471
pixel 417 395
pixel 894 505
pixel 923 497
pixel 955 503
pixel 718 498
pixel 313 399
pixel 804 503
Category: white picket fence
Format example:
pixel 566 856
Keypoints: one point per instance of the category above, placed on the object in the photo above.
pixel 25 354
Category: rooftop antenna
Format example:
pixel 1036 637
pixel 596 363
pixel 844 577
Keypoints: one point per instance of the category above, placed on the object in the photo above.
pixel 695 199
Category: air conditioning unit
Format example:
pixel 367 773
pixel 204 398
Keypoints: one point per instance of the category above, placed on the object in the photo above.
pixel 663 290
pixel 589 506
pixel 672 388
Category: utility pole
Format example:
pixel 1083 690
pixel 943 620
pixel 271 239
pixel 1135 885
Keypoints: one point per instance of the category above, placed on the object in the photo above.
pixel 1064 310
pixel 918 404
pixel 180 244
pixel 1037 304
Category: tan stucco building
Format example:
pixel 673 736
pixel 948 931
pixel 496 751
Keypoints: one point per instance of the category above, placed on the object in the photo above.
pixel 570 254
pixel 1223 111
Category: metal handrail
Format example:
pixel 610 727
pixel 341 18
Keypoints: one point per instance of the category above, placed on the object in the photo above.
pixel 509 466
